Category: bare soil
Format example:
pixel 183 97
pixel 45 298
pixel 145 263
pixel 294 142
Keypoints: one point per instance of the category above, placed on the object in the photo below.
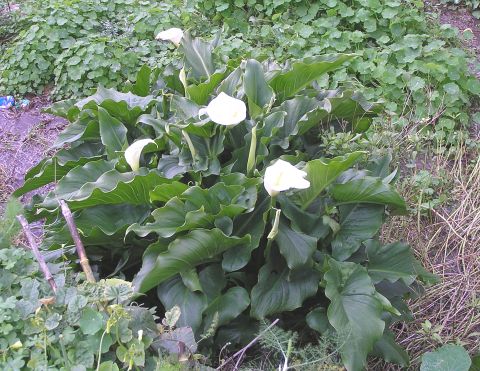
pixel 25 137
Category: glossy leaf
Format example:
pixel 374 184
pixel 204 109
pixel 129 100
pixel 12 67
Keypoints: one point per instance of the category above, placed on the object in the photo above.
pixel 260 95
pixel 184 253
pixel 142 83
pixel 289 82
pixel 279 289
pixel 358 223
pixel 97 183
pixel 112 133
pixel 354 311
pixel 321 173
pixel 226 307
pixel 198 56
pixel 173 218
pixel 192 304
pixel 390 351
pixel 391 262
pixel 368 190
pixel 199 93
pixel 53 169
pixel 297 248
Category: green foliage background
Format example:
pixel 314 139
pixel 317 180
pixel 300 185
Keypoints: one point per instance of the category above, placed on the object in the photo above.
pixel 405 58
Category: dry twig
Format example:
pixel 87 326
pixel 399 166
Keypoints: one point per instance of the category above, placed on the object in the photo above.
pixel 33 246
pixel 67 214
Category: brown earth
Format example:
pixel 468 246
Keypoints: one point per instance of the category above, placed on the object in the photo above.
pixel 25 137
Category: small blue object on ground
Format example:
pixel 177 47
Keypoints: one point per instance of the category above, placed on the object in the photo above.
pixel 7 102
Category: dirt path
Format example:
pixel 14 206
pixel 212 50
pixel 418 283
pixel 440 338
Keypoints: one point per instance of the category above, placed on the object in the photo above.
pixel 25 136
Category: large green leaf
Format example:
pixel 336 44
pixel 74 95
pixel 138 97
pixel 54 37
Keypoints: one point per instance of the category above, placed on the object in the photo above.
pixel 199 93
pixel 198 56
pixel 323 172
pixel 354 311
pixel 279 289
pixel 446 358
pixel 350 106
pixel 173 218
pixel 297 248
pixel 53 169
pixel 391 262
pixel 226 307
pixel 86 128
pixel 184 253
pixel 368 190
pixel 213 280
pixel 260 95
pixel 390 351
pixel 252 223
pixel 112 133
pixel 295 109
pixel 97 183
pixel 287 83
pixel 142 83
pixel 125 106
pixel 192 304
pixel 358 223
pixel 101 226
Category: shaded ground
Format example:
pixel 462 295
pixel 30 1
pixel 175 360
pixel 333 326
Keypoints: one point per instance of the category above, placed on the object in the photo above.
pixel 25 136
pixel 462 19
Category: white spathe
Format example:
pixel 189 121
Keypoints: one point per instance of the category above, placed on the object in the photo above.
pixel 172 34
pixel 225 110
pixel 133 152
pixel 282 176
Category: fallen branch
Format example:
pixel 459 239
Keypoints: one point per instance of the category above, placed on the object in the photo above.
pixel 33 246
pixel 242 351
pixel 67 214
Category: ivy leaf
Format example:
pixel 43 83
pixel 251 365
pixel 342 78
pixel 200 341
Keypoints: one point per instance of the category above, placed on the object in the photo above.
pixel 279 289
pixel 354 311
pixel 184 253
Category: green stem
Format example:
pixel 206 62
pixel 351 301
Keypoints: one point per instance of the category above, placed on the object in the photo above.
pixel 252 152
pixel 190 145
pixel 100 350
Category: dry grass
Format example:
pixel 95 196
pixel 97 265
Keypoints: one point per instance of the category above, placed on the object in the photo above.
pixel 447 243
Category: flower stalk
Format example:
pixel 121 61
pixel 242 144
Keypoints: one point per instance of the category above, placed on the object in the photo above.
pixel 252 152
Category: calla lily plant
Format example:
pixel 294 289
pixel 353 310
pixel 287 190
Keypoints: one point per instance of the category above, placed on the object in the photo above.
pixel 237 214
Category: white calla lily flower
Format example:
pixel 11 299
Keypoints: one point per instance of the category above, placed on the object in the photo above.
pixel 133 152
pixel 174 35
pixel 225 110
pixel 282 176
